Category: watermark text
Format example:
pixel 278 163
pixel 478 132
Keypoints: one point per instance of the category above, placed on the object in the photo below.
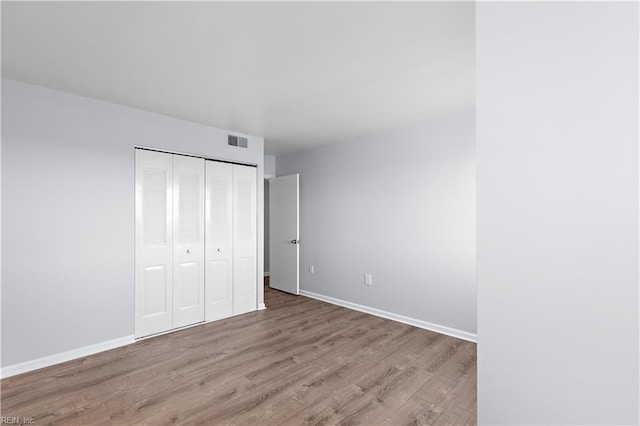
pixel 6 420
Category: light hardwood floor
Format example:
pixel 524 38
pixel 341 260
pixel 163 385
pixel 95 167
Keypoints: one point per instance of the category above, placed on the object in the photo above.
pixel 301 361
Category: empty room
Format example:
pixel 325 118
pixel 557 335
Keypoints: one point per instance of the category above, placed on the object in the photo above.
pixel 366 213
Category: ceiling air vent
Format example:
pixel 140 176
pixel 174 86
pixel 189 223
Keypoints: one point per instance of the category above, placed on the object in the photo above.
pixel 239 141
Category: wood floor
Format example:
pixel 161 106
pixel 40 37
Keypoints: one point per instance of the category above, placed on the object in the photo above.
pixel 301 361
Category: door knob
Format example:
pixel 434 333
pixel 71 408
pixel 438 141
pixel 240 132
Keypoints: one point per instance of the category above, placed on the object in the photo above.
pixel 295 241
pixel 188 250
pixel 219 250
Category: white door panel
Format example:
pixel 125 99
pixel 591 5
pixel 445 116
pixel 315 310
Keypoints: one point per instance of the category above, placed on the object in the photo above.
pixel 244 239
pixel 220 289
pixel 153 243
pixel 188 240
pixel 284 255
pixel 155 298
pixel 188 293
pixel 219 240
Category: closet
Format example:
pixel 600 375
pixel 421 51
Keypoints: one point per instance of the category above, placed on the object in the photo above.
pixel 196 241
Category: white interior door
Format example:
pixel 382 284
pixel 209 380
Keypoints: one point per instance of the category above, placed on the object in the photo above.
pixel 188 240
pixel 153 243
pixel 219 240
pixel 284 238
pixel 245 242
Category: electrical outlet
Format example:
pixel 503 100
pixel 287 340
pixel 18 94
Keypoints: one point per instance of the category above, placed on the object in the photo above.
pixel 367 279
pixel 312 269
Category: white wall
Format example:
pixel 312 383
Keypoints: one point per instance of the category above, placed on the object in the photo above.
pixel 266 224
pixel 269 172
pixel 269 166
pixel 557 142
pixel 68 214
pixel 401 206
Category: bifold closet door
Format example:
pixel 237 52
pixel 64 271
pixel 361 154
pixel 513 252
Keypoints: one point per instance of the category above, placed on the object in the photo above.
pixel 169 265
pixel 231 240
pixel 219 240
pixel 153 243
pixel 244 239
pixel 196 241
pixel 188 240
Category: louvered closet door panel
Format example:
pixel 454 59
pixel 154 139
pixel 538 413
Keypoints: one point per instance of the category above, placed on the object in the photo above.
pixel 153 243
pixel 244 239
pixel 219 240
pixel 188 240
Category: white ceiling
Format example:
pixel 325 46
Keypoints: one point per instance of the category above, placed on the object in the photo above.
pixel 299 74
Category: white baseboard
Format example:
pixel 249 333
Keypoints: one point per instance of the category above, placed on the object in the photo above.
pixel 262 306
pixel 23 367
pixel 471 337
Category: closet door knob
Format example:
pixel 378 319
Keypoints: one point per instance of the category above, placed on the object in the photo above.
pixel 219 250
pixel 188 250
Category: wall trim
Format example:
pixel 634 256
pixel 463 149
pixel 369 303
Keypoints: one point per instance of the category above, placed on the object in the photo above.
pixel 47 361
pixel 453 332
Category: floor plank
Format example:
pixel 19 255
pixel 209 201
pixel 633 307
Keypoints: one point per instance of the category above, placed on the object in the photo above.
pixel 301 361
